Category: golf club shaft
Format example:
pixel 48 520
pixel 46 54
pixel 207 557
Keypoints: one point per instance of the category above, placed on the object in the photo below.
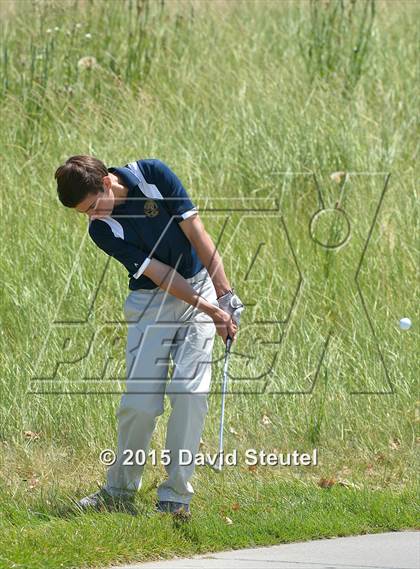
pixel 224 387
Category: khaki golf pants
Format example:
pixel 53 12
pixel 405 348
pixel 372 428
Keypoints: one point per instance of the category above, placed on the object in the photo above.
pixel 162 328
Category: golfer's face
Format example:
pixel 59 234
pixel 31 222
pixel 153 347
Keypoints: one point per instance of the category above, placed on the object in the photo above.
pixel 97 205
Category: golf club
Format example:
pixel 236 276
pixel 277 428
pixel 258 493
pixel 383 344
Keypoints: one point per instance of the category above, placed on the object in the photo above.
pixel 217 466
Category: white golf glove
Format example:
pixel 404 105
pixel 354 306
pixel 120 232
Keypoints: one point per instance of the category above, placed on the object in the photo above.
pixel 231 303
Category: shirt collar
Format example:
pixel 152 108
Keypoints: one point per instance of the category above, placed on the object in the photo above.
pixel 129 180
pixel 127 176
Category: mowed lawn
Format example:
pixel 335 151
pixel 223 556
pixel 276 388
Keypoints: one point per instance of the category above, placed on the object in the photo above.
pixel 293 127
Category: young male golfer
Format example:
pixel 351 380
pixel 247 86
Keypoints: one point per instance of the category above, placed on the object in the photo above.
pixel 180 296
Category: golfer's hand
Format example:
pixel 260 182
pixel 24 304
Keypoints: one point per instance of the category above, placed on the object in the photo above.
pixel 232 304
pixel 224 325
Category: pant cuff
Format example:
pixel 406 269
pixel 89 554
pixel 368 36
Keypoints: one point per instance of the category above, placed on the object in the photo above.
pixel 120 493
pixel 172 497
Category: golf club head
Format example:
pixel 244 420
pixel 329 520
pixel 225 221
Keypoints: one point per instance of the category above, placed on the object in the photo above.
pixel 214 467
pixel 217 466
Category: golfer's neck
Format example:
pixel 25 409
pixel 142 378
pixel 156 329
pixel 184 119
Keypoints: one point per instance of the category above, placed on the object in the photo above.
pixel 120 193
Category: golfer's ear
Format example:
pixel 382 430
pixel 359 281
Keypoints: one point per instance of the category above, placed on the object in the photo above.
pixel 106 181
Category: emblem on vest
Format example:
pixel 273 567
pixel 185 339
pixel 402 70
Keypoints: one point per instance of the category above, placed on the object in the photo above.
pixel 151 208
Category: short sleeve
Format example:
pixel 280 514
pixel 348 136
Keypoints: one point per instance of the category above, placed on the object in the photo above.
pixel 172 190
pixel 108 235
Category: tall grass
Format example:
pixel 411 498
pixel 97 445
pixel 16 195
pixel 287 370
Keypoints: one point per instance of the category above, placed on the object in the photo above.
pixel 240 99
pixel 335 40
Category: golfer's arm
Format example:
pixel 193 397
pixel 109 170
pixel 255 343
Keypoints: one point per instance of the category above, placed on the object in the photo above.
pixel 167 278
pixel 206 250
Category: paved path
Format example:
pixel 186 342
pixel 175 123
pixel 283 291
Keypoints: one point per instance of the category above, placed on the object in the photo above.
pixel 395 550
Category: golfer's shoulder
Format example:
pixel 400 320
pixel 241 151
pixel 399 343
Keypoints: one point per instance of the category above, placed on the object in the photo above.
pixel 101 230
pixel 154 168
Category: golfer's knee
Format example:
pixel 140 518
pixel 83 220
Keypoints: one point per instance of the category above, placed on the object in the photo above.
pixel 147 405
pixel 198 402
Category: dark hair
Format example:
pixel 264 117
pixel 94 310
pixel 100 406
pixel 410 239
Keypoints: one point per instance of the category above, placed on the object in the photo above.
pixel 79 176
